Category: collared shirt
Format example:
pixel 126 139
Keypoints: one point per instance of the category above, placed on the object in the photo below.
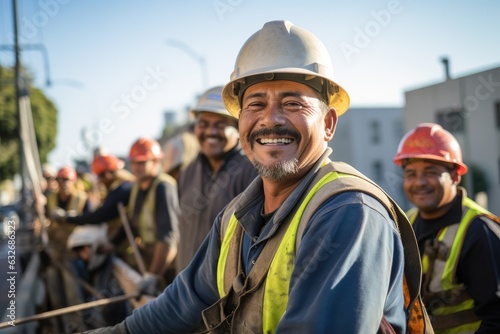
pixel 347 273
pixel 204 193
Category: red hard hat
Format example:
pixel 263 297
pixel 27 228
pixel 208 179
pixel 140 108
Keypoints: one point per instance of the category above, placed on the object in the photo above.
pixel 145 149
pixel 430 141
pixel 106 163
pixel 67 173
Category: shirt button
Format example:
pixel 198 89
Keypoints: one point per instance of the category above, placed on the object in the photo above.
pixel 254 239
pixel 253 262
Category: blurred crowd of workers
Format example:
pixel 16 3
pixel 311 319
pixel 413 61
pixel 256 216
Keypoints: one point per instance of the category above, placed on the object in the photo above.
pixel 167 198
pixel 156 217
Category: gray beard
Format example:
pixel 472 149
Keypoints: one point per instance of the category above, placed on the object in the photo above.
pixel 278 172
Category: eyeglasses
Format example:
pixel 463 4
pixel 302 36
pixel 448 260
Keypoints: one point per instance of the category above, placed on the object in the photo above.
pixel 203 124
pixel 61 179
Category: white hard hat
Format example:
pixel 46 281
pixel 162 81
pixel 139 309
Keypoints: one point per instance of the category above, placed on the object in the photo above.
pixel 283 51
pixel 87 235
pixel 211 101
pixel 49 170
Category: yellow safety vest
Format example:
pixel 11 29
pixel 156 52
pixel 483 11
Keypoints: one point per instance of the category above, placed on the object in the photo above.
pixel 58 232
pixel 273 293
pixel 451 307
pixel 76 203
pixel 147 223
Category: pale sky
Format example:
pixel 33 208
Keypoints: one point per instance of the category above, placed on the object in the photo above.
pixel 117 66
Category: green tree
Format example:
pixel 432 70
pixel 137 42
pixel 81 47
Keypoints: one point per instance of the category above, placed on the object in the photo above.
pixel 44 119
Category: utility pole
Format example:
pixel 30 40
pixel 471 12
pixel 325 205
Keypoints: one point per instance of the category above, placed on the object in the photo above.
pixel 19 91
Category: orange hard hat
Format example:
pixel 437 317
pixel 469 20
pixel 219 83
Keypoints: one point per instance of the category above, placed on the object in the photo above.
pixel 431 142
pixel 106 163
pixel 67 172
pixel 145 149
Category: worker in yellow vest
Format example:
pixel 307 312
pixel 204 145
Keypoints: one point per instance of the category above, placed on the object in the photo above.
pixel 459 240
pixel 66 199
pixel 118 183
pixel 310 246
pixel 153 212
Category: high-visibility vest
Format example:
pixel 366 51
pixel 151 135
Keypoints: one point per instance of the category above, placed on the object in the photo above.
pixel 115 224
pixel 76 202
pixel 58 232
pixel 147 223
pixel 451 308
pixel 265 289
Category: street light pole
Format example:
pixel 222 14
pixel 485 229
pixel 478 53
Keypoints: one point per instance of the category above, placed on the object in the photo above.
pixel 19 85
pixel 196 56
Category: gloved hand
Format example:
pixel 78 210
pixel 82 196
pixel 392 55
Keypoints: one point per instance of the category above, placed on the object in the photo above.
pixel 58 215
pixel 71 213
pixel 149 285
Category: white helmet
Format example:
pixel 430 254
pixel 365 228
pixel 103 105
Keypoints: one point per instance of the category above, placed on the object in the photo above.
pixel 211 101
pixel 87 235
pixel 283 51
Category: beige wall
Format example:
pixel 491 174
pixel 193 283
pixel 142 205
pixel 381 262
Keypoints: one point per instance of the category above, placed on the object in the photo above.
pixel 474 97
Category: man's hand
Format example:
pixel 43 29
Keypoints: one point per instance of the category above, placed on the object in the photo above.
pixel 58 215
pixel 149 285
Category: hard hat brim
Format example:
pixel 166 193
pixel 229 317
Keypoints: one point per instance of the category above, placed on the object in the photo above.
pixel 339 100
pixel 461 167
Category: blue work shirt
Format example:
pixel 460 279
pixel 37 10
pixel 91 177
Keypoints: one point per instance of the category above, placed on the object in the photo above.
pixel 347 274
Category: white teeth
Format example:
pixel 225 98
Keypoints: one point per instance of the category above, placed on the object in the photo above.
pixel 275 141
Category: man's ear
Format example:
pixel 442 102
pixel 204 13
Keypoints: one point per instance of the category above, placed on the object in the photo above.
pixel 455 177
pixel 330 123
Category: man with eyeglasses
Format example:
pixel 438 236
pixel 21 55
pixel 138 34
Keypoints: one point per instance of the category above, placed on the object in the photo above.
pixel 459 241
pixel 219 173
pixel 118 183
pixel 65 200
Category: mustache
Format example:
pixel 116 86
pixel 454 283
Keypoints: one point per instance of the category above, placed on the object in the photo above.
pixel 212 136
pixel 276 132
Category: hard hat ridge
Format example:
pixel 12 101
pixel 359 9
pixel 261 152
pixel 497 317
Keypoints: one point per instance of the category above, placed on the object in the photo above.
pixel 431 142
pixel 211 101
pixel 281 47
pixel 145 149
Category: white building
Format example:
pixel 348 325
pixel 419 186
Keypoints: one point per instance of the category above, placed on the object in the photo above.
pixel 468 107
pixel 367 139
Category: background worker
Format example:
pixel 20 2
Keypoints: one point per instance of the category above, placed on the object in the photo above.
pixel 219 173
pixel 179 151
pixel 250 275
pixel 60 284
pixel 49 174
pixel 66 199
pixel 459 241
pixel 118 183
pixel 153 211
pixel 94 268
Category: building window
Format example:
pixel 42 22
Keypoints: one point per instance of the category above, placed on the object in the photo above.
pixel 451 120
pixel 377 171
pixel 497 114
pixel 375 132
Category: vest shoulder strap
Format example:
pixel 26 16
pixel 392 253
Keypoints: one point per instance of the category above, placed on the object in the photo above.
pixel 226 215
pixel 413 267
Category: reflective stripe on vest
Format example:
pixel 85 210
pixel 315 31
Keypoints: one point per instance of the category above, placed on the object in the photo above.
pixel 443 274
pixel 278 278
pixel 147 223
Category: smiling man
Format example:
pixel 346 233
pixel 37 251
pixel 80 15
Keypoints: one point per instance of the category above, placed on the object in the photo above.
pixel 459 241
pixel 219 173
pixel 302 249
